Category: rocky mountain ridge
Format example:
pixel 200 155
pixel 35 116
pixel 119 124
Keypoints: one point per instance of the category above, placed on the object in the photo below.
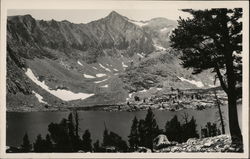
pixel 101 62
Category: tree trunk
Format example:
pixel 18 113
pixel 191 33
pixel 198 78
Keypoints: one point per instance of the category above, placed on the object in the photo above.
pixel 233 118
pixel 220 113
pixel 232 103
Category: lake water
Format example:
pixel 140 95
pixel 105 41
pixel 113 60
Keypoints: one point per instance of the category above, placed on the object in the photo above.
pixel 119 122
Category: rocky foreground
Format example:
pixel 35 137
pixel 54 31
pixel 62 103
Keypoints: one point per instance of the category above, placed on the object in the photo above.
pixel 221 143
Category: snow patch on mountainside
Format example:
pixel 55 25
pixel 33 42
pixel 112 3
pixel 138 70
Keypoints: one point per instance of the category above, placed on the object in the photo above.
pixel 107 69
pixel 140 55
pixel 197 83
pixel 158 47
pixel 60 93
pixel 105 86
pixel 138 23
pixel 39 97
pixel 88 76
pixel 115 69
pixel 123 65
pixel 101 81
pixel 143 90
pixel 79 63
pixel 100 75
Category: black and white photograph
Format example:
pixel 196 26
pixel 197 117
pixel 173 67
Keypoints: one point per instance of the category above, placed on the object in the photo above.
pixel 132 78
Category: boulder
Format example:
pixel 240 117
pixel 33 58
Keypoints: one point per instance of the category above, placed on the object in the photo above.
pixel 191 141
pixel 161 141
pixel 144 150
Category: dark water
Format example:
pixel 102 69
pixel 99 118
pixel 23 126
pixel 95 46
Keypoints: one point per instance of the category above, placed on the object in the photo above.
pixel 119 122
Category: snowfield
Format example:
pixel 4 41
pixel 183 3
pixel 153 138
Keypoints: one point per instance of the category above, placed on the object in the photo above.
pixel 123 65
pixel 88 76
pixel 140 55
pixel 115 69
pixel 101 81
pixel 64 95
pixel 79 63
pixel 105 86
pixel 39 97
pixel 107 69
pixel 138 23
pixel 100 75
pixel 158 47
pixel 143 90
pixel 197 83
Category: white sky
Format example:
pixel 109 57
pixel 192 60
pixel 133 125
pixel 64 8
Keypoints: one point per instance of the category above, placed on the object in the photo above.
pixel 87 15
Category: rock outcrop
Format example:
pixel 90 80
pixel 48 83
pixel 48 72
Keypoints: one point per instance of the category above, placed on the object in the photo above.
pixel 221 143
pixel 161 141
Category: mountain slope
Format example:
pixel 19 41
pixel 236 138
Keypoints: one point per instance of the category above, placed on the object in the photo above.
pixel 61 64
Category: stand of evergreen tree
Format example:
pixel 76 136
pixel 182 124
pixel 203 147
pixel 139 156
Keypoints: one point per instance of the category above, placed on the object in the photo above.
pixel 210 130
pixel 143 132
pixel 175 131
pixel 113 141
pixel 43 145
pixel 64 136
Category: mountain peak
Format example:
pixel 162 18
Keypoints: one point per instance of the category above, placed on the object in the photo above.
pixel 114 14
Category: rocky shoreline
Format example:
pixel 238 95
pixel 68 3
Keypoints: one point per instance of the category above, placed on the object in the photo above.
pixel 221 143
pixel 108 108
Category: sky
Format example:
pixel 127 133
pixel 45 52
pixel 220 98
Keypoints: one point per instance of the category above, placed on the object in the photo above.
pixel 87 15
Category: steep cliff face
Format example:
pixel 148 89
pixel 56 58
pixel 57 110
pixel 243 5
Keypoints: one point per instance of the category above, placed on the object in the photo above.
pixel 115 31
pixel 96 63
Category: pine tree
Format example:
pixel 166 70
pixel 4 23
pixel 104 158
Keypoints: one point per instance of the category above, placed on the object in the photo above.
pixel 97 147
pixel 26 146
pixel 141 131
pixel 134 135
pixel 173 130
pixel 212 39
pixel 86 139
pixel 190 129
pixel 73 131
pixel 48 144
pixel 38 145
pixel 106 139
pixel 218 103
pixel 60 135
pixel 151 129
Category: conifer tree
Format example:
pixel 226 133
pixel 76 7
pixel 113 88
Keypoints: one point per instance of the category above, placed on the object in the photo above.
pixel 48 144
pixel 26 146
pixel 96 146
pixel 212 39
pixel 134 135
pixel 151 129
pixel 39 144
pixel 86 141
pixel 173 130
